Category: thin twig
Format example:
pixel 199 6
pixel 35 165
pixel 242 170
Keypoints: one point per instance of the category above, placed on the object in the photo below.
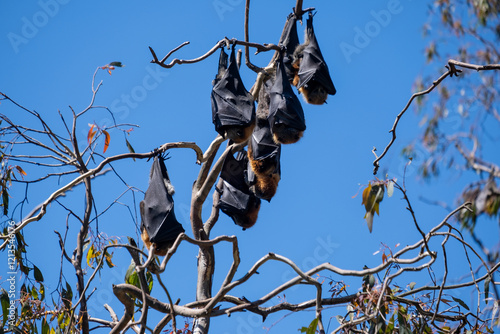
pixel 452 70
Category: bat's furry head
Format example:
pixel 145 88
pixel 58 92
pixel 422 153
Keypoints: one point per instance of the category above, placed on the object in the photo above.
pixel 160 249
pixel 314 93
pixel 262 167
pixel 266 186
pixel 248 219
pixel 239 134
pixel 283 134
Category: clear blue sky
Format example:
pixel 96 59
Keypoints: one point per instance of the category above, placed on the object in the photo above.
pixel 375 50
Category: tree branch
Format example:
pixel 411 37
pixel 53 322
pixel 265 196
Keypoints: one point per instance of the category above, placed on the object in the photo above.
pixel 452 70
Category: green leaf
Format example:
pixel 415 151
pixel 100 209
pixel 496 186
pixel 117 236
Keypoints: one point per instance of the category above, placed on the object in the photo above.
pixel 116 64
pixel 130 148
pixel 25 270
pixel 42 291
pixel 487 288
pixel 412 285
pixel 368 282
pixel 149 279
pixel 38 274
pixel 5 197
pixel 67 295
pixel 130 271
pixel 312 327
pixel 34 293
pixel 131 276
pixel 461 302
pixel 404 330
pixel 45 327
pixel 4 299
pixel 401 319
pixel 390 326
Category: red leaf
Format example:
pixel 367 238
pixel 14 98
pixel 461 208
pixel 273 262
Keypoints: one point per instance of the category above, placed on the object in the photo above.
pixel 106 140
pixel 20 170
pixel 91 134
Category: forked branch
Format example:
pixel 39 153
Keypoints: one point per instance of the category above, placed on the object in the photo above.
pixel 452 70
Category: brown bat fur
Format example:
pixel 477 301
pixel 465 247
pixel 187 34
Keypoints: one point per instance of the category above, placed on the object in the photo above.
pixel 248 219
pixel 159 249
pixel 261 167
pixel 283 134
pixel 266 186
pixel 239 134
pixel 312 92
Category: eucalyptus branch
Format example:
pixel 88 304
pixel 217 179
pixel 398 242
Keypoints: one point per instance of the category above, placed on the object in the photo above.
pixel 475 163
pixel 214 215
pixel 100 263
pixel 62 246
pixel 93 172
pixel 247 38
pixel 207 160
pixel 221 43
pixel 452 70
pixel 453 286
pixel 410 209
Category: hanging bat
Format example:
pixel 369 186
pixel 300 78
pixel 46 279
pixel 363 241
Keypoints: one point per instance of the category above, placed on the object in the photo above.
pixel 312 77
pixel 263 152
pixel 233 107
pixel 159 226
pixel 290 40
pixel 263 186
pixel 286 116
pixel 236 200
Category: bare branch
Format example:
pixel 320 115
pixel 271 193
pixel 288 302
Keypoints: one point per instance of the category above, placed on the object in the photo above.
pixel 452 70
pixel 221 43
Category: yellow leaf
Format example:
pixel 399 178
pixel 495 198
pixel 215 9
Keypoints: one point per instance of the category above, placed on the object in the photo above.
pixel 108 260
pixel 366 193
pixel 90 256
pixel 106 140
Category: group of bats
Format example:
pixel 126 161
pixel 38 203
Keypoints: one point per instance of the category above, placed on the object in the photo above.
pixel 251 175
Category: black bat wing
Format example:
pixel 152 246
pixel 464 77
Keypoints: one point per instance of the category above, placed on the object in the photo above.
pixel 232 200
pixel 233 170
pixel 236 198
pixel 284 106
pixel 232 104
pixel 290 40
pixel 263 145
pixel 157 212
pixel 313 65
